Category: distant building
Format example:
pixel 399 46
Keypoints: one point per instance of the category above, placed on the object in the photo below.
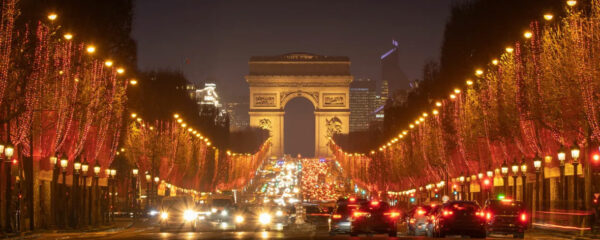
pixel 391 71
pixel 208 95
pixel 363 102
pixel 238 115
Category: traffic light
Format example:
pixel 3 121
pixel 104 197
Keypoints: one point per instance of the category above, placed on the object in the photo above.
pixel 412 197
pixel 596 199
pixel 14 162
pixel 486 182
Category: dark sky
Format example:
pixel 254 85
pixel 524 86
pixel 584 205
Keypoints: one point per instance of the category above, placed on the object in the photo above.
pixel 214 39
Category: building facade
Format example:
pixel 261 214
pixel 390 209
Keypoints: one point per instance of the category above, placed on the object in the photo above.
pixel 363 101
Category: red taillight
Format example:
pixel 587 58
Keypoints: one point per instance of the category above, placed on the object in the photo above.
pixel 447 213
pixel 374 203
pixel 523 217
pixel 392 214
pixel 488 216
pixel 336 216
pixel 358 214
pixel 352 199
pixel 421 212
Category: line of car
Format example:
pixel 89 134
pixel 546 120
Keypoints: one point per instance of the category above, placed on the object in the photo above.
pixel 497 216
pixel 465 218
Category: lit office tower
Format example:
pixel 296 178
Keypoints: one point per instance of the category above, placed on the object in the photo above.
pixel 391 71
pixel 362 104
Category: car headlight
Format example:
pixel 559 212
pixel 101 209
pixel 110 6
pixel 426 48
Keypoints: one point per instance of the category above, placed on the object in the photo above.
pixel 164 215
pixel 279 213
pixel 214 210
pixel 264 218
pixel 239 219
pixel 153 212
pixel 189 215
pixel 224 213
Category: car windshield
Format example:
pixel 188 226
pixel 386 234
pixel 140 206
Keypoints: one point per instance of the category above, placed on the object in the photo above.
pixel 222 202
pixel 312 209
pixel 464 206
pixel 176 203
pixel 346 208
pixel 375 207
pixel 506 205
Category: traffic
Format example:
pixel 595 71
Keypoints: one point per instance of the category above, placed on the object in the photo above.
pixel 275 202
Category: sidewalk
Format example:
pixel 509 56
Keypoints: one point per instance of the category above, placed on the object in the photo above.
pixel 567 234
pixel 119 224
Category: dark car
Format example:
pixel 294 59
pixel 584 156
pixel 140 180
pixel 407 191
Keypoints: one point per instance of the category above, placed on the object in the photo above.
pixel 374 217
pixel 430 216
pixel 417 219
pixel 339 220
pixel 316 215
pixel 459 218
pixel 178 212
pixel 505 217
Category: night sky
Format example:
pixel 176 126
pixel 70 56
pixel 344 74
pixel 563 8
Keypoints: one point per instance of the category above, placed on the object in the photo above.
pixel 213 40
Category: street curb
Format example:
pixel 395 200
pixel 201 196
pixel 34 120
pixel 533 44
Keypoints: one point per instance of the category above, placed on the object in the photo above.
pixel 571 235
pixel 28 235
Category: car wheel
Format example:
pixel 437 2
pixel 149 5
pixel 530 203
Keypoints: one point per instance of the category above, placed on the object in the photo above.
pixel 393 234
pixel 353 234
pixel 441 234
pixel 519 235
pixel 331 234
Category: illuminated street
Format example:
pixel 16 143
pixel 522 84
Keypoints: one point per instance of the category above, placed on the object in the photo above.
pixel 299 119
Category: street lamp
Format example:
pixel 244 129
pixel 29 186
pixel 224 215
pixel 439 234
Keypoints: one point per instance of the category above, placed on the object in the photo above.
pixel 84 173
pixel 148 192
pixel 461 179
pixel 504 171
pixel 575 155
pixel 75 195
pixel 523 179
pixel 537 164
pixel 97 169
pixel 134 172
pixel 515 170
pixel 113 173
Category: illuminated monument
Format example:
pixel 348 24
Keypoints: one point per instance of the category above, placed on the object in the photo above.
pixel 323 80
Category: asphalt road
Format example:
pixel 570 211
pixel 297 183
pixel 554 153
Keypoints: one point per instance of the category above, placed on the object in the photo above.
pixel 151 231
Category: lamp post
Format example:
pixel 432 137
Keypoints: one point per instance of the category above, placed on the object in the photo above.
pixel 8 151
pixel 575 155
pixel 537 164
pixel 63 165
pixel 148 192
pixel 95 187
pixel 134 174
pixel 468 187
pixel 84 172
pixel 155 190
pixel 480 176
pixel 75 199
pixel 562 155
pixel 54 164
pixel 515 171
pixel 504 170
pixel 113 173
pixel 462 186
pixel 523 180
pixel 490 175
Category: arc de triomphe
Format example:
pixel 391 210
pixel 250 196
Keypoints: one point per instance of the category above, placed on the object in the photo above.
pixel 323 80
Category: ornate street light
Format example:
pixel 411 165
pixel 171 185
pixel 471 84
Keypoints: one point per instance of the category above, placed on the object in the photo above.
pixel 523 179
pixel 515 170
pixel 561 155
pixel 97 169
pixel 63 164
pixel 575 155
pixel 84 172
pixel 504 171
pixel 9 150
pixel 537 164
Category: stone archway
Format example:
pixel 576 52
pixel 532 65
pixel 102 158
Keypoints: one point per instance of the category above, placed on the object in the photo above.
pixel 323 80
